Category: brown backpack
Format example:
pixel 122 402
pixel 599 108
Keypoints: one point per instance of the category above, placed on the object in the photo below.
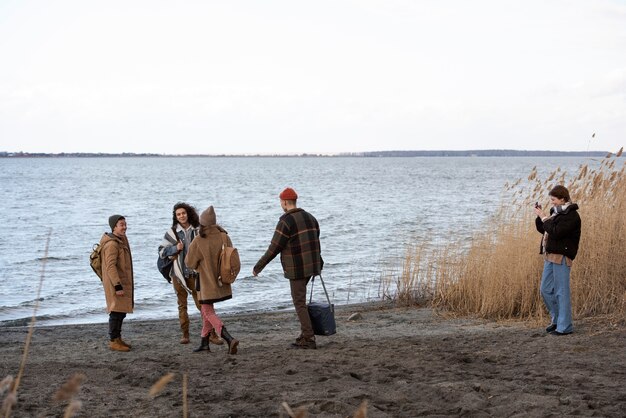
pixel 229 263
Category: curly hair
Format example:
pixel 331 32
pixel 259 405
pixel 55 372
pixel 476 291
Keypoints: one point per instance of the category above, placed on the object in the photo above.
pixel 192 215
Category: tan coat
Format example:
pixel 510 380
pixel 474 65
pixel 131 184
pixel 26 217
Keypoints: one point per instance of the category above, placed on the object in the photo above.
pixel 117 269
pixel 203 256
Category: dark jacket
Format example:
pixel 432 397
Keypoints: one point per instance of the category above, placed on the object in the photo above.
pixel 563 231
pixel 297 241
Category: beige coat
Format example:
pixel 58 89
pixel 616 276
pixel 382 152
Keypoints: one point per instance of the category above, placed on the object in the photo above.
pixel 203 256
pixel 117 269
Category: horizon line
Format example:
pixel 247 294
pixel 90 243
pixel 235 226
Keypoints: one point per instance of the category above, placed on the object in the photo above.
pixel 390 153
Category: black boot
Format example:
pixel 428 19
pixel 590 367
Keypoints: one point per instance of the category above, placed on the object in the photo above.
pixel 204 345
pixel 232 342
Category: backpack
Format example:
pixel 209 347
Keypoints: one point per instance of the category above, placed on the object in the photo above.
pixel 228 264
pixel 95 259
pixel 165 267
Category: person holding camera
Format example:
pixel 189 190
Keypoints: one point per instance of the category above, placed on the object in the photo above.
pixel 175 244
pixel 559 246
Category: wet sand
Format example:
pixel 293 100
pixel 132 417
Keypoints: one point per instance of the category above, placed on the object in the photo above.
pixel 405 362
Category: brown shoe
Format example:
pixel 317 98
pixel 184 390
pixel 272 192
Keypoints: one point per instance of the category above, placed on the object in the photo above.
pixel 304 343
pixel 214 338
pixel 125 343
pixel 116 345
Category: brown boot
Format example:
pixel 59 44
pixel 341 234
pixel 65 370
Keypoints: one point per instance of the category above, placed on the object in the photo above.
pixel 116 345
pixel 232 342
pixel 214 338
pixel 304 343
pixel 185 338
pixel 125 343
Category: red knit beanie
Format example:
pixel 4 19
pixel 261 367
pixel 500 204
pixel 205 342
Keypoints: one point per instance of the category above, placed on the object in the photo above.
pixel 288 194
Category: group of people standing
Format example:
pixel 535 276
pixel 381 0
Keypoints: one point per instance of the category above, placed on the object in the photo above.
pixel 194 244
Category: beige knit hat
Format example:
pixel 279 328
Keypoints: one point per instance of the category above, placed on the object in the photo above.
pixel 208 217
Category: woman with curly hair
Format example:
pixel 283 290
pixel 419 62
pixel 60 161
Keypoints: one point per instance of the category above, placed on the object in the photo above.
pixel 175 244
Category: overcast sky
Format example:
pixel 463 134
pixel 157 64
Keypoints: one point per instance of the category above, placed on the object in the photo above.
pixel 269 76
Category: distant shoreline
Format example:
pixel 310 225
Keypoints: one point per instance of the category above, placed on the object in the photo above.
pixel 371 154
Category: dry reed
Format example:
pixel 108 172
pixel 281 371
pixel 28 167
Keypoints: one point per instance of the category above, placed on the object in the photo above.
pixel 498 275
pixel 73 408
pixel 160 384
pixel 302 412
pixel 69 388
pixel 11 400
pixel 68 391
pixel 185 389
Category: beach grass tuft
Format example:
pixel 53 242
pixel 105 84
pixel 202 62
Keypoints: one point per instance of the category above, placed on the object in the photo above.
pixel 11 399
pixel 73 408
pixel 302 411
pixel 497 274
pixel 70 388
pixel 160 384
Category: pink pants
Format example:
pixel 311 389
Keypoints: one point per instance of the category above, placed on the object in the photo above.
pixel 210 320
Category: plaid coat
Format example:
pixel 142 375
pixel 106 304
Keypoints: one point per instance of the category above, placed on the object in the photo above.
pixel 297 241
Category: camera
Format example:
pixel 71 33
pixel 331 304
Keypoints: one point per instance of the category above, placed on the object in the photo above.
pixel 537 205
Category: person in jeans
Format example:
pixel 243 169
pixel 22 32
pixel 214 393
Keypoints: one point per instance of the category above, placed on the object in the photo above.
pixel 117 279
pixel 175 244
pixel 296 239
pixel 559 246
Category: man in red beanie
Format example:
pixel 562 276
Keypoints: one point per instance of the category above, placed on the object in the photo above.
pixel 296 239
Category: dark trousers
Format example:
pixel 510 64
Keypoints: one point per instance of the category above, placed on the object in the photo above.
pixel 115 324
pixel 298 296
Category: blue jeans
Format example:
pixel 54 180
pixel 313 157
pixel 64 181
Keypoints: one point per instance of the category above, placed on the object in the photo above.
pixel 555 291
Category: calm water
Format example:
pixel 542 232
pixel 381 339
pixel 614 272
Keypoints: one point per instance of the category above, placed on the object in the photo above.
pixel 369 210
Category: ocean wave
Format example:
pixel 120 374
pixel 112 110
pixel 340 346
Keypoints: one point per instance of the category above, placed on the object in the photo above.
pixel 40 259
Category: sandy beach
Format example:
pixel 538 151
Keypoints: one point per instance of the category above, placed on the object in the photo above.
pixel 405 362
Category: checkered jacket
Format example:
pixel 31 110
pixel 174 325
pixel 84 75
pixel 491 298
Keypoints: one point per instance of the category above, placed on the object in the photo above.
pixel 297 241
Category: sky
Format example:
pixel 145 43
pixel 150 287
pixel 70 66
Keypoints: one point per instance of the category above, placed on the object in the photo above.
pixel 318 77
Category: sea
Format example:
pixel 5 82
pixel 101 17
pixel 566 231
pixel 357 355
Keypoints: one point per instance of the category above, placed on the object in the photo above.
pixel 370 211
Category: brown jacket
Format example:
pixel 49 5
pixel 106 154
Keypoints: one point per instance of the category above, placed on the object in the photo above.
pixel 117 270
pixel 203 256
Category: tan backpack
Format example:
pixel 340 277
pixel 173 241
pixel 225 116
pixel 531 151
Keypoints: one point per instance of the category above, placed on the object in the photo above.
pixel 229 263
pixel 95 259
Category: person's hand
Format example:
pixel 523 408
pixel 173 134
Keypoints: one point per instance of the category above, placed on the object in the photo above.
pixel 119 293
pixel 539 211
pixel 180 246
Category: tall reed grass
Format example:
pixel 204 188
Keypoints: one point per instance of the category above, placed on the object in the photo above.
pixel 497 274
pixel 11 399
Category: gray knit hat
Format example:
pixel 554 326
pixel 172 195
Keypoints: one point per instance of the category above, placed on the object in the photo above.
pixel 208 217
pixel 113 220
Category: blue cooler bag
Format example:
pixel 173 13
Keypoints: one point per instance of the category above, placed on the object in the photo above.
pixel 322 314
